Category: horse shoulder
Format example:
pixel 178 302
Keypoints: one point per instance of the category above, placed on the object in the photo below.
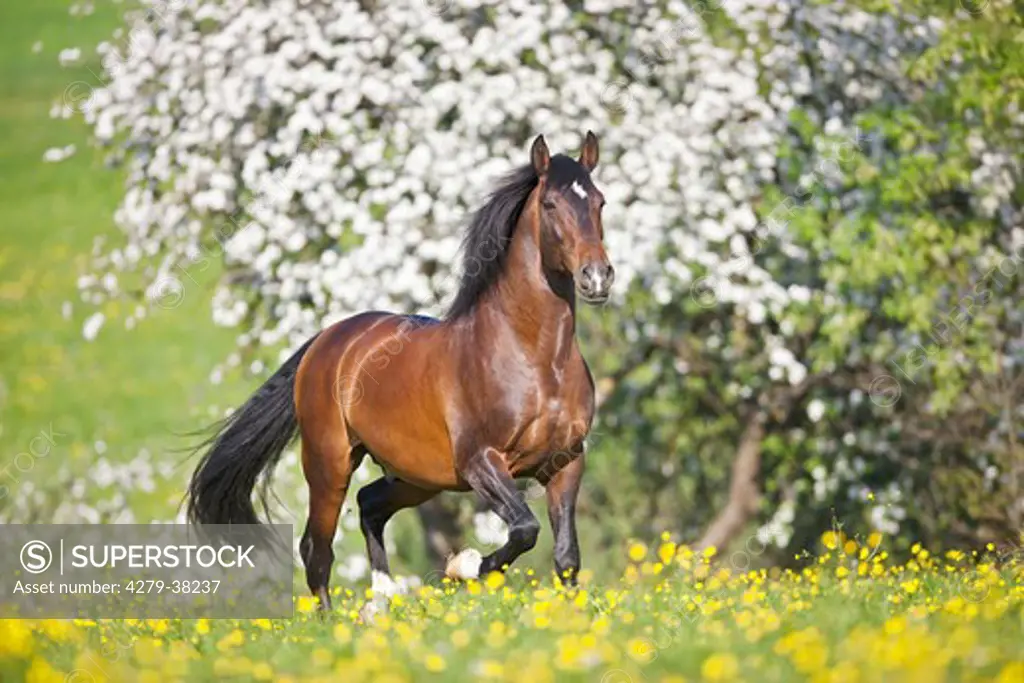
pixel 585 391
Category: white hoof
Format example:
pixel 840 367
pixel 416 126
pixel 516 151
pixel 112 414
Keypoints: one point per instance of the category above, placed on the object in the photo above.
pixel 371 608
pixel 465 565
pixel 384 585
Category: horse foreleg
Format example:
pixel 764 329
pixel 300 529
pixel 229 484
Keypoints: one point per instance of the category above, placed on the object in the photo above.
pixel 488 476
pixel 562 489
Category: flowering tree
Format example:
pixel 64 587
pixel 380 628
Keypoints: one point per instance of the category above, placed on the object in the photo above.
pixel 862 234
pixel 326 152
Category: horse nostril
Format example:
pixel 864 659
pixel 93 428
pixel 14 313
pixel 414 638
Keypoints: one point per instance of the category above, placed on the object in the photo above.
pixel 587 276
pixel 595 278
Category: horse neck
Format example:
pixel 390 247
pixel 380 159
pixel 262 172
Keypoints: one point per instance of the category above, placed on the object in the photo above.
pixel 537 306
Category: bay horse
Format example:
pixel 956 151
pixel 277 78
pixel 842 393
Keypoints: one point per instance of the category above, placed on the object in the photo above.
pixel 494 391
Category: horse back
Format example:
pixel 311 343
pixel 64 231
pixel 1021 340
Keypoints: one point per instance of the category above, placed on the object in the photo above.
pixel 383 378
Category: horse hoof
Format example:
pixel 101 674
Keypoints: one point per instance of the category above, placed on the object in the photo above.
pixel 371 608
pixel 385 585
pixel 465 565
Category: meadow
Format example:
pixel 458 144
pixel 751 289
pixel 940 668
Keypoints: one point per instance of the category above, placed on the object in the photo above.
pixel 128 391
pixel 850 615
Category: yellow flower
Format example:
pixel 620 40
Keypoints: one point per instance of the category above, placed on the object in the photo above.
pixel 342 634
pixel 720 667
pixel 1011 673
pixel 434 663
pixel 666 552
pixel 494 581
pixel 810 658
pixel 233 639
pixel 895 626
pixel 460 638
pixel 489 668
pixel 40 671
pixel 637 552
pixel 641 650
pixel 157 626
pixel 60 630
pixel 15 638
pixel 262 672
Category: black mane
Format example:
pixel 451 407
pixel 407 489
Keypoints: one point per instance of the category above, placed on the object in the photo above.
pixel 488 237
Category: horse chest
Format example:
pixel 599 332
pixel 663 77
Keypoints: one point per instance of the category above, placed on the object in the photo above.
pixel 556 416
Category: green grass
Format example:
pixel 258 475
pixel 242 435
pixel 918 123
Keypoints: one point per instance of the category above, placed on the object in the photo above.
pixel 848 618
pixel 130 389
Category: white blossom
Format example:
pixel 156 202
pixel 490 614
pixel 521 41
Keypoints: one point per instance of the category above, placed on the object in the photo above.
pixel 355 180
pixel 57 154
pixel 815 410
pixel 92 326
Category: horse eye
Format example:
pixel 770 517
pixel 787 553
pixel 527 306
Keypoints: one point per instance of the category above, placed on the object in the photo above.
pixel 548 204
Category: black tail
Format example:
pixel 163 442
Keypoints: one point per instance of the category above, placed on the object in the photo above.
pixel 245 445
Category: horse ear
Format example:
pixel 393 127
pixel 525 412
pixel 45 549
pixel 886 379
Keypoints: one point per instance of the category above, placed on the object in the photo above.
pixel 589 151
pixel 540 156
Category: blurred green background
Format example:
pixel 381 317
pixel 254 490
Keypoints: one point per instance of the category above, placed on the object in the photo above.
pixel 685 380
pixel 129 390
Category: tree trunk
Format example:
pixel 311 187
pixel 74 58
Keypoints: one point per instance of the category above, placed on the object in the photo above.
pixel 441 530
pixel 744 493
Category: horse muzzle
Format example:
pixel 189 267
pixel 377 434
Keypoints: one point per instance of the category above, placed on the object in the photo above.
pixel 594 281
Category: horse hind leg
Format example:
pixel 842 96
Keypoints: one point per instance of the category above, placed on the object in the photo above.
pixel 378 503
pixel 328 469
